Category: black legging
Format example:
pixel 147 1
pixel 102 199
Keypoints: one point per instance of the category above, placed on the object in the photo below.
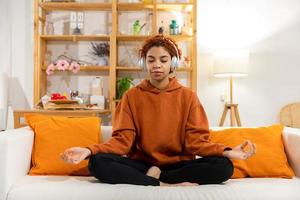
pixel 114 169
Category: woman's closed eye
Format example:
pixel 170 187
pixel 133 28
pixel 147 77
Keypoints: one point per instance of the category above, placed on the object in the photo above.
pixel 162 61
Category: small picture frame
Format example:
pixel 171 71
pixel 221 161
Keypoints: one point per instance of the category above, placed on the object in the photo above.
pixel 76 23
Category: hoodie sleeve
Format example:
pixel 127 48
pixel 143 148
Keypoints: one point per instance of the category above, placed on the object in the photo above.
pixel 123 134
pixel 197 138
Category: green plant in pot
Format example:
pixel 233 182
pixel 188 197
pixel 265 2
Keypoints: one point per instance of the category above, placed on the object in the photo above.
pixel 123 85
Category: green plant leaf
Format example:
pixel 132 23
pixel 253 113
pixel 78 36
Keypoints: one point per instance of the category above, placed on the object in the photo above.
pixel 123 85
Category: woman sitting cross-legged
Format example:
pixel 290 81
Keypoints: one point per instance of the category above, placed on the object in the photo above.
pixel 159 128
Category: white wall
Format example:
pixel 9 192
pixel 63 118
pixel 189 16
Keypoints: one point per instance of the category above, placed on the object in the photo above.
pixel 270 29
pixel 18 51
pixel 21 95
pixel 4 62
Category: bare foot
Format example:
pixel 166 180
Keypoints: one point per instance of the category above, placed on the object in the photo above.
pixel 153 172
pixel 186 184
pixel 178 184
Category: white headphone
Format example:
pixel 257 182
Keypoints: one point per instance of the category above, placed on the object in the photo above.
pixel 174 60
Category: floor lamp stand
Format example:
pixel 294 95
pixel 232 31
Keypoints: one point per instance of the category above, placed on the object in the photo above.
pixel 234 112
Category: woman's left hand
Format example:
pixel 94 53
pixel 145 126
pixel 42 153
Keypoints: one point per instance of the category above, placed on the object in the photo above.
pixel 239 151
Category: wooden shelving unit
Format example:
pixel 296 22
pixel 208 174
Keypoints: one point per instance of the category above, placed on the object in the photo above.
pixel 115 8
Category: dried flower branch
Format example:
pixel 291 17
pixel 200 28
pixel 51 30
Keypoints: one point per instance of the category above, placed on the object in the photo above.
pixel 100 49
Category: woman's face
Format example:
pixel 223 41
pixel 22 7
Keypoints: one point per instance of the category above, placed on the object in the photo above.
pixel 158 62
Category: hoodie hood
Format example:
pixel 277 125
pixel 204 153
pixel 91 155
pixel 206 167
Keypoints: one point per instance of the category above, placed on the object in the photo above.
pixel 147 86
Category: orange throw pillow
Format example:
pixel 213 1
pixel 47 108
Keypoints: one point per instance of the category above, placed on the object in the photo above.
pixel 53 134
pixel 270 159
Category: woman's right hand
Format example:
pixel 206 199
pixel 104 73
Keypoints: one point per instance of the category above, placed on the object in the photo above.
pixel 75 155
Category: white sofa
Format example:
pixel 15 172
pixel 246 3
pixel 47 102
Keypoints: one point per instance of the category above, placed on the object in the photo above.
pixel 15 184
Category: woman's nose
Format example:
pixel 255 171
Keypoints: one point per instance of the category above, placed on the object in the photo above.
pixel 157 64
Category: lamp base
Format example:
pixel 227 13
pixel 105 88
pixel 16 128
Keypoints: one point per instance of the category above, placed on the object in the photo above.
pixel 234 114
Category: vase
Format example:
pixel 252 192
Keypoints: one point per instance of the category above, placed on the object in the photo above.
pixel 102 61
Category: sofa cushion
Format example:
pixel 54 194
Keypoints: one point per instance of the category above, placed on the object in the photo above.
pixel 270 159
pixel 82 188
pixel 55 134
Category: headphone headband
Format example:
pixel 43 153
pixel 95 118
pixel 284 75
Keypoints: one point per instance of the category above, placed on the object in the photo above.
pixel 173 44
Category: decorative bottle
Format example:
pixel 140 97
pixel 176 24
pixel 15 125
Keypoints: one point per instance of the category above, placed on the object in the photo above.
pixel 174 28
pixel 136 27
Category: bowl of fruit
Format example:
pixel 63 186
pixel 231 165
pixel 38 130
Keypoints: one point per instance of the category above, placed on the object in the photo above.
pixel 58 98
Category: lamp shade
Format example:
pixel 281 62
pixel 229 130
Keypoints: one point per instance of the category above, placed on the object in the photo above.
pixel 232 64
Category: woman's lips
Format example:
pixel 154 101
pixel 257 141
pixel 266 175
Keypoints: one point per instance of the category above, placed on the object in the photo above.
pixel 156 72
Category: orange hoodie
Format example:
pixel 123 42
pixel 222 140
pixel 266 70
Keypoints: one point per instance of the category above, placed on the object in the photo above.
pixel 160 126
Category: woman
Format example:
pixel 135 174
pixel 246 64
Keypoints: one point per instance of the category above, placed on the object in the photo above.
pixel 161 127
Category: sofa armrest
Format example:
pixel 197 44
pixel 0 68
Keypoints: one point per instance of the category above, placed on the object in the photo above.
pixel 106 132
pixel 15 155
pixel 291 139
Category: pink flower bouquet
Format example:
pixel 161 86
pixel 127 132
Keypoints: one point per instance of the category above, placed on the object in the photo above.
pixel 74 67
pixel 63 65
pixel 50 69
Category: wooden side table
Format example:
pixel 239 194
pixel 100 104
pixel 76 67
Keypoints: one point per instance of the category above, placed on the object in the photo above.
pixel 19 120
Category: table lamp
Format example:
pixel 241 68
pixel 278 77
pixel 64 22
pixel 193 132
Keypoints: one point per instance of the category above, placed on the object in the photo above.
pixel 230 64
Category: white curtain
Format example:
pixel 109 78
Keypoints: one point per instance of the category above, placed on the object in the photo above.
pixel 5 60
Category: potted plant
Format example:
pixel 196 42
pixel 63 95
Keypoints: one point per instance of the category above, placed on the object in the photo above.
pixel 123 85
pixel 101 52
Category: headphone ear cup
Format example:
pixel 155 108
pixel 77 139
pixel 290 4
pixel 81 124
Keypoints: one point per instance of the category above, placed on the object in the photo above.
pixel 174 63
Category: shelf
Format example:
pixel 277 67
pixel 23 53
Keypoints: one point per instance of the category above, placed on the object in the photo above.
pixel 94 68
pixel 87 68
pixel 134 69
pixel 75 38
pixel 49 6
pixel 185 7
pixel 181 37
pixel 134 6
pixel 82 111
pixel 184 69
pixel 20 122
pixel 133 38
pixel 129 68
